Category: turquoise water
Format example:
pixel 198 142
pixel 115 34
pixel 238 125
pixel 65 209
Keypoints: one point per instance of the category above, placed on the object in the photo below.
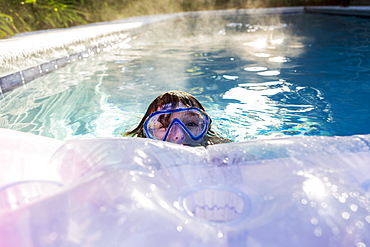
pixel 258 77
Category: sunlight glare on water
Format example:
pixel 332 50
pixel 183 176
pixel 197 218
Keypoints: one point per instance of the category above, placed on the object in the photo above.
pixel 258 77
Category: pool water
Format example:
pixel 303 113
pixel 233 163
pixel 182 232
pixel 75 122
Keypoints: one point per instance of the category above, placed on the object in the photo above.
pixel 258 77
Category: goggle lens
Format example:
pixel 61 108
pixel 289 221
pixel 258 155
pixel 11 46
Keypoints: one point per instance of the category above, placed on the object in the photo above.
pixel 194 122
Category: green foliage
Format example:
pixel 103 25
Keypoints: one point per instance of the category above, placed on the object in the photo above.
pixel 99 10
pixel 6 26
pixel 29 15
pixel 45 14
pixel 57 14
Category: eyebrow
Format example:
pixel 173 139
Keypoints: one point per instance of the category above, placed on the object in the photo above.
pixel 192 113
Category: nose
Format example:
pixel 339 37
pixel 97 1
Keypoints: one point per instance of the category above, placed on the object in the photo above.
pixel 177 134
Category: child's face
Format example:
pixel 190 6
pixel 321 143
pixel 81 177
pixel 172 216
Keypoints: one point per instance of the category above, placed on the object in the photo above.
pixel 183 125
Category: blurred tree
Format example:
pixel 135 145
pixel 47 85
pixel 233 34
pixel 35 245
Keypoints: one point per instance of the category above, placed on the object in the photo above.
pixel 6 26
pixel 27 15
pixel 45 14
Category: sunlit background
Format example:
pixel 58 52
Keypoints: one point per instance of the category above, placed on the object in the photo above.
pixel 258 77
pixel 18 16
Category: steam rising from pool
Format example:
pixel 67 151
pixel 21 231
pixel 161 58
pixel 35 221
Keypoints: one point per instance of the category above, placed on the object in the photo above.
pixel 236 67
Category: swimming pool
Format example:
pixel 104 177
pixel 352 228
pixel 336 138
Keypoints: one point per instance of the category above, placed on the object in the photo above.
pixel 292 96
pixel 259 77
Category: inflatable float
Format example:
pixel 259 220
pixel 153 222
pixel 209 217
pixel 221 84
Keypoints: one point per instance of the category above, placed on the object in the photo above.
pixel 297 191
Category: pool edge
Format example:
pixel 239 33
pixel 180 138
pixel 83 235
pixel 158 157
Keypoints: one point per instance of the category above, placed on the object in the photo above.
pixel 362 11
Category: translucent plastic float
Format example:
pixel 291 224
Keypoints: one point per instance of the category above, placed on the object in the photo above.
pixel 311 191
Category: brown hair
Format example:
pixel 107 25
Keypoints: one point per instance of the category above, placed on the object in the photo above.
pixel 170 97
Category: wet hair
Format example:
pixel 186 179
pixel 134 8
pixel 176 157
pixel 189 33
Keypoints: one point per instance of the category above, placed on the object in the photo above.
pixel 173 98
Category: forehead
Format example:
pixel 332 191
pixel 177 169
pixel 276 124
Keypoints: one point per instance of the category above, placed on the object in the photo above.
pixel 182 113
pixel 169 106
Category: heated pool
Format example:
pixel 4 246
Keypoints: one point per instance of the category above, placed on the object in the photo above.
pixel 258 76
pixel 290 90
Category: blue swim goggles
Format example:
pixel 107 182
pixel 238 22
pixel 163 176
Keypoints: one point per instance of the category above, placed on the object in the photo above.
pixel 184 126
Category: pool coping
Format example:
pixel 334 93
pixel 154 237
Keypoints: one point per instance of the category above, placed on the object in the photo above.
pixel 28 56
pixel 339 10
